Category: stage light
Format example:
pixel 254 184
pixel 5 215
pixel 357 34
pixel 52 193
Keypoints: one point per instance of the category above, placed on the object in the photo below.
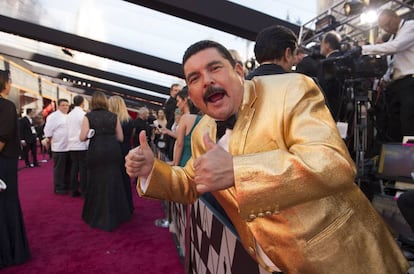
pixel 368 17
pixel 326 24
pixel 250 64
pixel 353 7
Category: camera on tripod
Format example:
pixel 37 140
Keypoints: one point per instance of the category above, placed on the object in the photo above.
pixel 353 65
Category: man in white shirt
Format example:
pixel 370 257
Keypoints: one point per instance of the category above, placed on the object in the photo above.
pixel 401 47
pixel 77 148
pixel 56 132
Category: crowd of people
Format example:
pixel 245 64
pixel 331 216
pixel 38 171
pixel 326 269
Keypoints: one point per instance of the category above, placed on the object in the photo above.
pixel 264 145
pixel 79 137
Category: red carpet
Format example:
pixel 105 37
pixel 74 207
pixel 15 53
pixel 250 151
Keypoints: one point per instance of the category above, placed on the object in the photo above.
pixel 61 242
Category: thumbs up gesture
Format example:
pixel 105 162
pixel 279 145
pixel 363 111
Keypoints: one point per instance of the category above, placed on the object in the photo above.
pixel 213 170
pixel 139 161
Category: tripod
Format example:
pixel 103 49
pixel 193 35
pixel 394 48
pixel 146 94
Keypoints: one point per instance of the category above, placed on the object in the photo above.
pixel 360 96
pixel 360 133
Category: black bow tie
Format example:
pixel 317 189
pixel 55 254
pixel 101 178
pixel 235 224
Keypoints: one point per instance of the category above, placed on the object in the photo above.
pixel 223 125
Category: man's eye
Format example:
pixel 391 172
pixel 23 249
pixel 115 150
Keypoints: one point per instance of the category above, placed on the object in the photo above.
pixel 192 79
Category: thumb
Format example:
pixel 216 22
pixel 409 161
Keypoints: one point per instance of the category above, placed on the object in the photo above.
pixel 143 140
pixel 208 142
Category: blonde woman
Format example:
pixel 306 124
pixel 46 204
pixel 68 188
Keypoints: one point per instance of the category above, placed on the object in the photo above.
pixel 160 139
pixel 117 106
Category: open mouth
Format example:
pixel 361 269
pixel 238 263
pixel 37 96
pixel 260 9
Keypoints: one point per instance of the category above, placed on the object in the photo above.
pixel 214 94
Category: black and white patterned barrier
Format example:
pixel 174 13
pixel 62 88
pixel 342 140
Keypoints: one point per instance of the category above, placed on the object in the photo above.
pixel 214 247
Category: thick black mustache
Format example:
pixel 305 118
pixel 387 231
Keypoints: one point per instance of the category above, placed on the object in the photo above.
pixel 212 90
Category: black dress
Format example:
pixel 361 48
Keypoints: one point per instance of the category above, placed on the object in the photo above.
pixel 127 130
pixel 106 203
pixel 14 247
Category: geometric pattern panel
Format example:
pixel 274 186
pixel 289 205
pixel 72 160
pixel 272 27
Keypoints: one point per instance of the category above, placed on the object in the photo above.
pixel 178 222
pixel 214 248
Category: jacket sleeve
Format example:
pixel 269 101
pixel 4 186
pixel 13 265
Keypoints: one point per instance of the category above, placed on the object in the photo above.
pixel 171 183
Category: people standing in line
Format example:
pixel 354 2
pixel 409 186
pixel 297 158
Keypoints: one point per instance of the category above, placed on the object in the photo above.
pixel 169 108
pixel 328 76
pixel 77 148
pixel 14 247
pixel 309 64
pixel 188 121
pixel 117 106
pixel 39 121
pixel 141 123
pixel 152 116
pixel 160 139
pixel 174 127
pixel 173 131
pixel 401 49
pixel 56 135
pixel 282 173
pixel 28 138
pixel 274 50
pixel 106 203
pixel 236 56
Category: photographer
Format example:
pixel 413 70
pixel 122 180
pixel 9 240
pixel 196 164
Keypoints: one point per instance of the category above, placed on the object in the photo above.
pixel 401 48
pixel 327 73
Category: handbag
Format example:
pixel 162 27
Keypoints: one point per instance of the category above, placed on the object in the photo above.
pixel 161 144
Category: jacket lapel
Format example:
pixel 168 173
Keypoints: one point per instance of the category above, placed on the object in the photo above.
pixel 244 118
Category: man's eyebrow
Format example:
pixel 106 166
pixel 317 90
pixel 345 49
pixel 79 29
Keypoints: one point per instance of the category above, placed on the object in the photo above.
pixel 191 74
pixel 212 63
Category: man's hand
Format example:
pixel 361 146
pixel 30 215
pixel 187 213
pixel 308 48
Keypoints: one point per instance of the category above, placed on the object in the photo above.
pixel 139 161
pixel 45 142
pixel 213 170
pixel 354 52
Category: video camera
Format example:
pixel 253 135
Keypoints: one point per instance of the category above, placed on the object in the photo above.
pixel 353 65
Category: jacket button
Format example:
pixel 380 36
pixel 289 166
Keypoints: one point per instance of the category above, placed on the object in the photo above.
pixel 276 212
pixel 261 214
pixel 268 213
pixel 252 217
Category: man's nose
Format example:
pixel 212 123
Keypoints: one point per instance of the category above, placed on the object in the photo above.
pixel 208 79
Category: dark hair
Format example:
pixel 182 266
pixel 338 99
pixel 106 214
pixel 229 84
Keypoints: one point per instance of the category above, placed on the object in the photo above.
pixel 205 44
pixel 78 100
pixel 174 85
pixel 271 43
pixel 183 94
pixel 28 111
pixel 99 101
pixel 62 100
pixel 333 40
pixel 4 77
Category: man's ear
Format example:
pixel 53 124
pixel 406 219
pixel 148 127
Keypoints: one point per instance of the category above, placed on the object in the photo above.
pixel 239 70
pixel 288 54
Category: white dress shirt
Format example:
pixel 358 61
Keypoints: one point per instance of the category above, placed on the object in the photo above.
pixel 402 47
pixel 74 121
pixel 56 128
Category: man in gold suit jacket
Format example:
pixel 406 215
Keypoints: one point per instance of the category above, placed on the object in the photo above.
pixel 282 174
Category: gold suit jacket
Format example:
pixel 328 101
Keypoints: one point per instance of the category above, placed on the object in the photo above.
pixel 294 191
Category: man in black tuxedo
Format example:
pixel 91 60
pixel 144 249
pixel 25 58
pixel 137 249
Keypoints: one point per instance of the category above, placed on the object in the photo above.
pixel 169 110
pixel 274 50
pixel 28 138
pixel 328 74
